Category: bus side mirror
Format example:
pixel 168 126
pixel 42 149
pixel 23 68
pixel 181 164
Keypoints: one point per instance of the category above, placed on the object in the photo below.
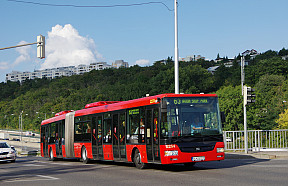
pixel 163 104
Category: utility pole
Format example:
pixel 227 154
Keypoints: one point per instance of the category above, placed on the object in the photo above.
pixel 242 74
pixel 249 98
pixel 176 48
pixel 244 89
pixel 245 120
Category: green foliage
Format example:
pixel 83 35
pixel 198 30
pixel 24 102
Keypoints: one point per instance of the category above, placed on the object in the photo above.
pixel 42 98
pixel 231 103
pixel 283 120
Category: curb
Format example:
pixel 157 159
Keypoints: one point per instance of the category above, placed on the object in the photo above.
pixel 255 156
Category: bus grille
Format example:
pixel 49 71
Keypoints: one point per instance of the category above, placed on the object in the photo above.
pixel 197 149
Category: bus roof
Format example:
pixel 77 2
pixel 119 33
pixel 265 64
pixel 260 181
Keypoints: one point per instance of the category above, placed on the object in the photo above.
pixel 151 100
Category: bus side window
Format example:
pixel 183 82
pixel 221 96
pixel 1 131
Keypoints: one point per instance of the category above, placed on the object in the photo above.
pixel 107 126
pixel 133 125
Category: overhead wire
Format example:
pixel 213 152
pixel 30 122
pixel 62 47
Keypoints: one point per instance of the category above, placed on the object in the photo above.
pixel 92 6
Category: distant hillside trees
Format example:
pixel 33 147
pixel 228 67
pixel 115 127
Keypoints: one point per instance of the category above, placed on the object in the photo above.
pixel 267 73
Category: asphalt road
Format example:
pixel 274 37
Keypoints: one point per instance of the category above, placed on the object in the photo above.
pixel 40 171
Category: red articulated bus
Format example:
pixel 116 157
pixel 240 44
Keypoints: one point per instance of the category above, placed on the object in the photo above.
pixel 163 129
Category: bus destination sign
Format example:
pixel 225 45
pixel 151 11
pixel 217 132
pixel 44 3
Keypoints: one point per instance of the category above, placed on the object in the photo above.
pixel 190 101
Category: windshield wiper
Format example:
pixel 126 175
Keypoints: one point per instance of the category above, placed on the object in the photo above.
pixel 182 137
pixel 218 137
pixel 189 137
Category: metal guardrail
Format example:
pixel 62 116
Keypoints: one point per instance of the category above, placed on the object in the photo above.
pixel 15 135
pixel 258 140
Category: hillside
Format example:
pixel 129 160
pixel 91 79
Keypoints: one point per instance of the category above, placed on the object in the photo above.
pixel 42 97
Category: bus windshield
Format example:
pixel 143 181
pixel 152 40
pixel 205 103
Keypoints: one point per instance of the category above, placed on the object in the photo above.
pixel 190 116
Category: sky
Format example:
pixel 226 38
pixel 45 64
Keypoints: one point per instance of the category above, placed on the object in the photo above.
pixel 98 31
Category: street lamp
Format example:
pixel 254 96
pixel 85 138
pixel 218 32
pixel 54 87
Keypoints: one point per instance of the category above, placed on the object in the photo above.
pixel 20 121
pixel 7 116
pixel 45 114
pixel 21 124
pixel 8 122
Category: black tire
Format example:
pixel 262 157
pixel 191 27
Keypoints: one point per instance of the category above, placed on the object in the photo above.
pixel 137 160
pixel 51 156
pixel 189 165
pixel 84 157
pixel 13 161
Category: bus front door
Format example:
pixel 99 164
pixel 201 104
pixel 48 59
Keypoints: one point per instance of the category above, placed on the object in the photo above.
pixel 152 145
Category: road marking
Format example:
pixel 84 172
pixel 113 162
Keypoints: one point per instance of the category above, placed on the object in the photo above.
pixel 31 178
pixel 32 165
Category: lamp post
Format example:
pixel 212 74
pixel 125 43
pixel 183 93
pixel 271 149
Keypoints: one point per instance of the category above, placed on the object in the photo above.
pixel 7 116
pixel 45 114
pixel 20 125
pixel 7 122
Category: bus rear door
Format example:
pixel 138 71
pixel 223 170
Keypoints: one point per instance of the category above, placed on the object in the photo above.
pixel 97 149
pixel 119 148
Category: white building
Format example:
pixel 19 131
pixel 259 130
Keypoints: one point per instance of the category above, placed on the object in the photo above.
pixel 191 58
pixel 62 71
pixel 120 63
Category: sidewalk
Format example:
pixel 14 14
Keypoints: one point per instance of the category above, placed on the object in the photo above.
pixel 257 155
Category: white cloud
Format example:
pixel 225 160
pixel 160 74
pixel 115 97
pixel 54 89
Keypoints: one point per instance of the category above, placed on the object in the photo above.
pixel 143 62
pixel 24 53
pixel 65 47
pixel 4 65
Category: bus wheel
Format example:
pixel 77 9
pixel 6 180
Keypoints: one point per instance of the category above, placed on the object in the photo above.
pixel 51 156
pixel 84 157
pixel 137 160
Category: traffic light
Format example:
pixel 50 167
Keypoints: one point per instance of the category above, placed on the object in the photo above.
pixel 249 96
pixel 40 46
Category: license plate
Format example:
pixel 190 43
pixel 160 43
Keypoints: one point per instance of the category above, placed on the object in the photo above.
pixel 199 158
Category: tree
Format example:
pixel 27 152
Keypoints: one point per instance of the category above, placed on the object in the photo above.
pixel 231 103
pixel 269 101
pixel 283 52
pixel 283 120
pixel 271 66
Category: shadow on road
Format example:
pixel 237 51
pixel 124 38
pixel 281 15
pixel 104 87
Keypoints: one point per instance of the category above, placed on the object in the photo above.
pixel 229 163
pixel 74 165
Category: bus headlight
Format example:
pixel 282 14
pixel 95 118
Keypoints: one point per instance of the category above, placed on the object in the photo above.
pixel 171 153
pixel 220 150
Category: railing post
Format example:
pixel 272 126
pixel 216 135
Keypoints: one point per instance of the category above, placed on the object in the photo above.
pixel 225 142
pixel 233 140
pixel 255 140
pixel 259 145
